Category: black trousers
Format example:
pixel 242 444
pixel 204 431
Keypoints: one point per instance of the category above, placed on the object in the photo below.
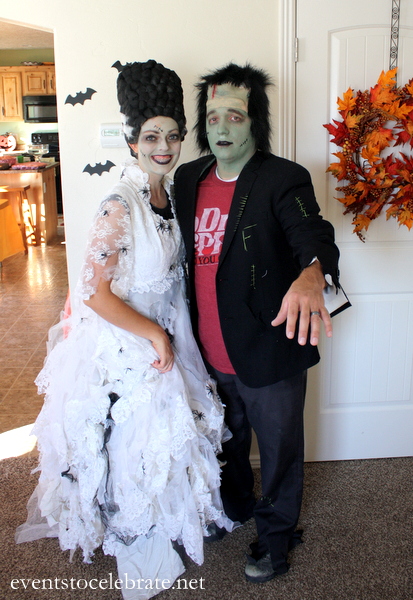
pixel 275 413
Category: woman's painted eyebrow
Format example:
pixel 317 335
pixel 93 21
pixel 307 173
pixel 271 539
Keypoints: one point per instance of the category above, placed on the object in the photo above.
pixel 156 131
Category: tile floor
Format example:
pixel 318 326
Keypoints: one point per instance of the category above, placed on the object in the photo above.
pixel 33 290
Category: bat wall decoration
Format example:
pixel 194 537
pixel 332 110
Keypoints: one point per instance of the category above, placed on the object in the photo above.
pixel 80 97
pixel 99 168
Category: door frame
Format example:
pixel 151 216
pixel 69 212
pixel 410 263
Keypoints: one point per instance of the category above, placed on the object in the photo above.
pixel 288 49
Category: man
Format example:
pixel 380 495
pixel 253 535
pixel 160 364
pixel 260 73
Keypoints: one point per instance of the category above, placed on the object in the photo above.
pixel 258 257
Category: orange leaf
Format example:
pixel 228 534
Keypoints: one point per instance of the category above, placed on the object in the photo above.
pixel 348 200
pixel 371 153
pixel 380 138
pixel 352 120
pixel 388 78
pixel 400 112
pixel 361 222
pixel 338 169
pixel 363 187
pixel 409 87
pixel 405 217
pixel 383 92
pixel 348 102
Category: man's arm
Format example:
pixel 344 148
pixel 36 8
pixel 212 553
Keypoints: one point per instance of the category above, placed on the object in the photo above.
pixel 304 303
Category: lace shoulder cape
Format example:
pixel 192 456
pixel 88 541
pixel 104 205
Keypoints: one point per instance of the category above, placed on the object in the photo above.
pixel 129 243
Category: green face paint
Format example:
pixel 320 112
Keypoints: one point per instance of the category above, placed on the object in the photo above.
pixel 229 129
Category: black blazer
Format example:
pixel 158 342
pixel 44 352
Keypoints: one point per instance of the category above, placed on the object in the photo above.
pixel 274 230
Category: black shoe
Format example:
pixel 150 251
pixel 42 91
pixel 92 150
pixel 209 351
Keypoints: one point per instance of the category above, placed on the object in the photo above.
pixel 261 570
pixel 215 533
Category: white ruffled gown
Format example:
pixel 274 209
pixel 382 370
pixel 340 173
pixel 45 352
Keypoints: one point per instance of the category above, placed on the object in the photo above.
pixel 128 455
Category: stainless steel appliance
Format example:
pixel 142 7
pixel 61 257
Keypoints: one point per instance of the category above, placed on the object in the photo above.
pixel 39 109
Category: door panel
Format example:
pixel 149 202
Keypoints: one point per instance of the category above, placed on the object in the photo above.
pixel 360 398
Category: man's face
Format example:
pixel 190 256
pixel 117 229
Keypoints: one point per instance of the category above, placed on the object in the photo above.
pixel 228 128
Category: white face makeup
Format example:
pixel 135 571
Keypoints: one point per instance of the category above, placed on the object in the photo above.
pixel 228 128
pixel 158 147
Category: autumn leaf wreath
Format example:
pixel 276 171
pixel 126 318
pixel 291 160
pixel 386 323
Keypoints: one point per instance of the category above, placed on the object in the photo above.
pixel 372 121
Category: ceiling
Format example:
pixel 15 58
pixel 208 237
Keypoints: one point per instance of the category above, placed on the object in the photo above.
pixel 17 37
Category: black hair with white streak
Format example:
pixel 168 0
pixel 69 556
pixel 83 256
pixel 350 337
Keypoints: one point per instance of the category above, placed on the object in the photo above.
pixel 147 90
pixel 256 81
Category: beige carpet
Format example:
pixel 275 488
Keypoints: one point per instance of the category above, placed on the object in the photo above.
pixel 358 529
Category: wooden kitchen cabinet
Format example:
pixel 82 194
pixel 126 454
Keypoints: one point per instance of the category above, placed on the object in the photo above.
pixel 38 80
pixel 41 196
pixel 11 106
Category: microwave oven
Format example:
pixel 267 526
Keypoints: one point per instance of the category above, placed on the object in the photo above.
pixel 39 109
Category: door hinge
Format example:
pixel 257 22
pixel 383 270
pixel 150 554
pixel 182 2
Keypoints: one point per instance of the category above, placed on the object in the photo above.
pixel 296 49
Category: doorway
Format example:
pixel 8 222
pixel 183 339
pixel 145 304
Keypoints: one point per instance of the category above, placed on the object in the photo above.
pixel 360 398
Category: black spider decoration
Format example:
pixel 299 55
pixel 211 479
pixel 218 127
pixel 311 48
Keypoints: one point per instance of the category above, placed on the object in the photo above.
pixel 209 390
pixel 145 191
pixel 124 250
pixel 120 351
pixel 164 226
pixel 69 476
pixel 105 213
pixel 198 415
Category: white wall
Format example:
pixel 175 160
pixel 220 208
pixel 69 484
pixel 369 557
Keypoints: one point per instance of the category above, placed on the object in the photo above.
pixel 189 36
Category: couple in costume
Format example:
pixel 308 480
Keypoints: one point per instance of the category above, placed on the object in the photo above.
pixel 132 425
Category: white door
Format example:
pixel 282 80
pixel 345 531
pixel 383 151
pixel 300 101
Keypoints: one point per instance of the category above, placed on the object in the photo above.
pixel 360 398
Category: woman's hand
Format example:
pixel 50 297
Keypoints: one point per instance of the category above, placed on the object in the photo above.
pixel 110 307
pixel 163 347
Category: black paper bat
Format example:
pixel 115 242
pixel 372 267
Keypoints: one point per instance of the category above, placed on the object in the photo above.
pixel 99 168
pixel 117 65
pixel 80 97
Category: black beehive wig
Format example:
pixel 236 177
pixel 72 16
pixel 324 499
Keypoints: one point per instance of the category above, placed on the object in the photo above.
pixel 147 90
pixel 256 81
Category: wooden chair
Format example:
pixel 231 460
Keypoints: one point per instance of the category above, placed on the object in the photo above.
pixel 18 194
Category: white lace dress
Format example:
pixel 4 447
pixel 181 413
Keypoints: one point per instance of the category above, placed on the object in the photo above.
pixel 128 455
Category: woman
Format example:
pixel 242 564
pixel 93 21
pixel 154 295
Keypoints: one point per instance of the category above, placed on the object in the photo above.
pixel 131 424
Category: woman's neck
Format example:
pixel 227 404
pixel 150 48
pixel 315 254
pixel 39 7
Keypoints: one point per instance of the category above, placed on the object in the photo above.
pixel 158 194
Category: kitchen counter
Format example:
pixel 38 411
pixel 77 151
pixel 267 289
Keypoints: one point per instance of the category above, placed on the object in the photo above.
pixel 41 197
pixel 30 170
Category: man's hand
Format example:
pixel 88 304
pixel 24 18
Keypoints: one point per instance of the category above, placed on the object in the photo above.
pixel 304 302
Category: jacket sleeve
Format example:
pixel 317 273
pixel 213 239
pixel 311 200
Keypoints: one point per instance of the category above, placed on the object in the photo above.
pixel 308 234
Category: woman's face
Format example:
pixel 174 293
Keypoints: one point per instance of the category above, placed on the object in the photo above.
pixel 158 147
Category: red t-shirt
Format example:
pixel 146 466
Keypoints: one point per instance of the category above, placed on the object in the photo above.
pixel 214 201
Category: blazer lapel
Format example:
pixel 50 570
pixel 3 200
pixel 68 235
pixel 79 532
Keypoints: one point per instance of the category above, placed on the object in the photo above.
pixel 242 191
